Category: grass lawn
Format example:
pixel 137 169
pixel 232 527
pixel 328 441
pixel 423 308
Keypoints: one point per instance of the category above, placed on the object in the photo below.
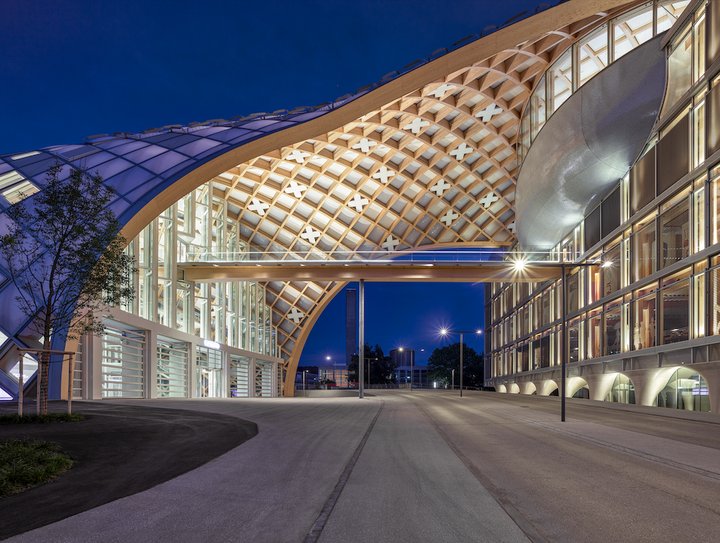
pixel 26 463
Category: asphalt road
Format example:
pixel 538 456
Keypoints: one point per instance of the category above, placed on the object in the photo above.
pixel 429 466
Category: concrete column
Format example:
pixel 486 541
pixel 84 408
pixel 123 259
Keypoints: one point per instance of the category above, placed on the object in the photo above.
pixel 648 383
pixel 94 366
pixel 546 387
pixel 711 374
pixel 600 385
pixel 150 364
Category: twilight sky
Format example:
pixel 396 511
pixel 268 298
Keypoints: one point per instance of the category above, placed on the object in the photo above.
pixel 73 68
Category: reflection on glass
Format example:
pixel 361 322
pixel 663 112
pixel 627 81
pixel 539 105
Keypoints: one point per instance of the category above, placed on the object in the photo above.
pixel 675 233
pixel 593 330
pixel 573 329
pixel 622 391
pixel 611 270
pixel 632 30
pixel 686 389
pixel 561 80
pixel 675 301
pixel 644 314
pixel 643 251
pixel 679 69
pixel 613 327
pixel 593 53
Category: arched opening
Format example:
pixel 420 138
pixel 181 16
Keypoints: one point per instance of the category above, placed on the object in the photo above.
pixel 529 388
pixel 501 388
pixel 547 388
pixel 685 389
pixel 577 387
pixel 555 392
pixel 622 390
pixel 582 392
pixel 513 388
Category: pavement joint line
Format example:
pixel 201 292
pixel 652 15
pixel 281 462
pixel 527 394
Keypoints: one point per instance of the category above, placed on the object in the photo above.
pixel 525 525
pixel 319 525
pixel 630 451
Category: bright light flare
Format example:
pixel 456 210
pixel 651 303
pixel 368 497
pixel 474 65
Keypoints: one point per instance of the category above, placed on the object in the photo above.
pixel 443 331
pixel 519 264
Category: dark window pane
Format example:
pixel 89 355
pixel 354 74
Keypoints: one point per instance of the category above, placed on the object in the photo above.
pixel 676 312
pixel 611 212
pixel 642 181
pixel 592 228
pixel 673 155
pixel 675 234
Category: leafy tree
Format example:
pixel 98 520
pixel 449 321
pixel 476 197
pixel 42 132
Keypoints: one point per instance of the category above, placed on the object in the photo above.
pixel 382 369
pixel 65 257
pixel 445 359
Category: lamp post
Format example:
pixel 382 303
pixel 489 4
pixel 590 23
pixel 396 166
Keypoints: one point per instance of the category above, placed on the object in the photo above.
pixel 519 265
pixel 304 383
pixel 445 332
pixel 453 380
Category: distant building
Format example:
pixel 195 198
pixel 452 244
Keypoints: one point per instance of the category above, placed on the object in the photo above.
pixel 418 374
pixel 402 357
pixel 351 325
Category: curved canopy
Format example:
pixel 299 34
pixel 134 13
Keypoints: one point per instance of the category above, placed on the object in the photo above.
pixel 425 159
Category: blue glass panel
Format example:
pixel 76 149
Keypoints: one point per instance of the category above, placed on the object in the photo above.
pixel 112 143
pixel 230 134
pixel 91 161
pixel 113 167
pixel 197 147
pixel 128 147
pixel 128 180
pixel 210 130
pixel 141 155
pixel 178 140
pixel 260 124
pixel 164 162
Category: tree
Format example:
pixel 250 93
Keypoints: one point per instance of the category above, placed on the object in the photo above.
pixel 66 259
pixel 382 370
pixel 445 359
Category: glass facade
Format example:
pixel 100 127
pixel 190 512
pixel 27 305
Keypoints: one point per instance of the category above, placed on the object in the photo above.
pixel 595 51
pixel 199 227
pixel 637 289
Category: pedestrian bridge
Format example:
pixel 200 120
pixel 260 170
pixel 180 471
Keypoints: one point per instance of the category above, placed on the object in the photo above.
pixel 421 266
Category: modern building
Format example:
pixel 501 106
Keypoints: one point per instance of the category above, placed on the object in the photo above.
pixel 402 356
pixel 619 178
pixel 488 144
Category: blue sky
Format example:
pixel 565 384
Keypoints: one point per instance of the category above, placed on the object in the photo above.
pixel 73 68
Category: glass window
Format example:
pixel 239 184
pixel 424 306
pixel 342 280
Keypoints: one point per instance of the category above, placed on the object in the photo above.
pixel 593 331
pixel 714 302
pixel 699 40
pixel 573 290
pixel 632 29
pixel 699 215
pixel 644 250
pixel 592 53
pixel 538 108
pixel 698 304
pixel 675 300
pixel 644 317
pixel 574 336
pixel 686 389
pixel 613 328
pixel 561 80
pixel 611 270
pixel 675 233
pixel 698 129
pixel 679 69
pixel 667 13
pixel 594 280
pixel 715 207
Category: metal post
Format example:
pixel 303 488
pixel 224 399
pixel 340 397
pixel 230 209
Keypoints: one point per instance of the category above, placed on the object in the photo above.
pixel 71 361
pixel 564 347
pixel 461 364
pixel 412 372
pixel 21 386
pixel 361 339
pixel 304 384
pixel 453 379
pixel 38 379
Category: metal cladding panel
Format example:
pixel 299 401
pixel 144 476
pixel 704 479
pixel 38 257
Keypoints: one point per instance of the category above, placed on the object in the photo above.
pixel 588 144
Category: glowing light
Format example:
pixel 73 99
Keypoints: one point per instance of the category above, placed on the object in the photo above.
pixel 443 331
pixel 519 264
pixel 607 264
pixel 211 344
pixel 401 349
pixel 478 331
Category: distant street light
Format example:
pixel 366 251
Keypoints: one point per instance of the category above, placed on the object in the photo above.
pixel 446 332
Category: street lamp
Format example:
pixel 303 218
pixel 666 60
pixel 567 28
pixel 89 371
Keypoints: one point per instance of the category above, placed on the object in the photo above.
pixel 446 332
pixel 305 383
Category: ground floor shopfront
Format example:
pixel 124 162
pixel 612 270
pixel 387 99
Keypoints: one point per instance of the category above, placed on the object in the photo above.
pixel 136 358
